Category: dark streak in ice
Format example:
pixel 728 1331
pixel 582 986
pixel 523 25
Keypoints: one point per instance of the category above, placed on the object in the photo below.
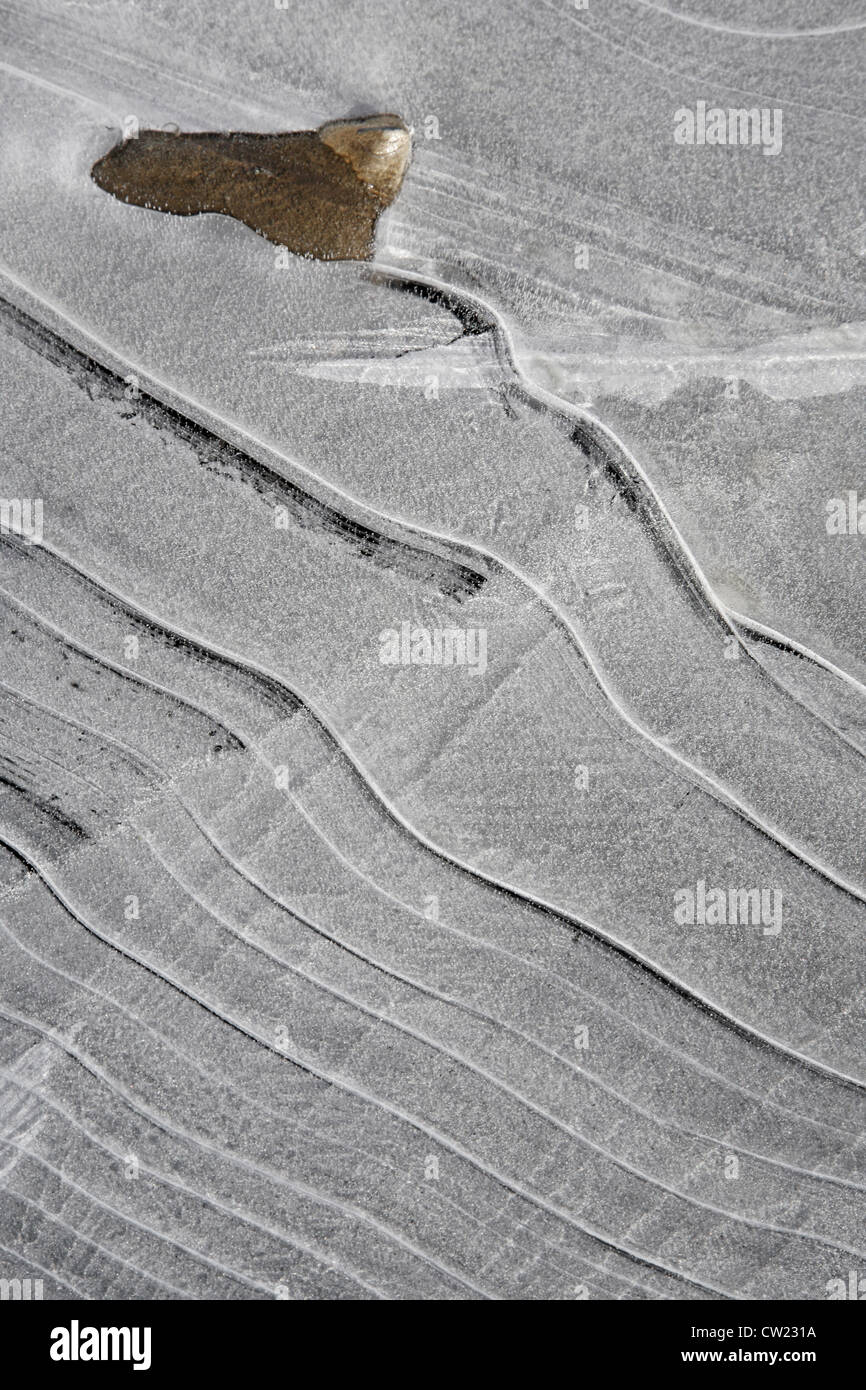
pixel 451 578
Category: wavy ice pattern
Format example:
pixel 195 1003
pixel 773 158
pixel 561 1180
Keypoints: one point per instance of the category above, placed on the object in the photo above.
pixel 353 979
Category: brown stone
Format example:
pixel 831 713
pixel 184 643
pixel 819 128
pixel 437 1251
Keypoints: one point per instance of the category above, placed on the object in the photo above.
pixel 319 193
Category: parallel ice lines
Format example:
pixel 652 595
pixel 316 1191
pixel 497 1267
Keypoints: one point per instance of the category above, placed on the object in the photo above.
pixel 234 1022
pixel 392 1019
pixel 172 1126
pixel 840 823
pixel 254 674
pixel 204 831
pixel 256 1028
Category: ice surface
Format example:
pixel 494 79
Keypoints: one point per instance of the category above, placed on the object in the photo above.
pixel 361 979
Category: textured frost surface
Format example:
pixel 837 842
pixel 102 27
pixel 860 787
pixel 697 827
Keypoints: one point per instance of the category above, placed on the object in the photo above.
pixel 329 977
